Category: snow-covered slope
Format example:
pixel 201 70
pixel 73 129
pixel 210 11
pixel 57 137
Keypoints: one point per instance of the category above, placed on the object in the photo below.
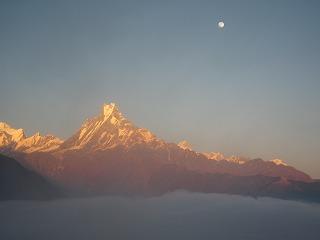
pixel 38 143
pixel 278 162
pixel 108 130
pixel 185 145
pixel 9 135
pixel 217 156
pixel 16 140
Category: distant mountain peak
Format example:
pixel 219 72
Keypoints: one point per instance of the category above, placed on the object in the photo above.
pixel 278 162
pixel 15 139
pixel 218 156
pixel 215 156
pixel 4 125
pixel 9 135
pixel 108 130
pixel 109 109
pixel 185 145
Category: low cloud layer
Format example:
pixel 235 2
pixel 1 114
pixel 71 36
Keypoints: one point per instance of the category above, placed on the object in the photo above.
pixel 178 215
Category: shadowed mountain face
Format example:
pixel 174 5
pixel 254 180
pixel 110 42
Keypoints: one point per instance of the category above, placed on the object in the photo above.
pixel 17 182
pixel 143 172
pixel 110 155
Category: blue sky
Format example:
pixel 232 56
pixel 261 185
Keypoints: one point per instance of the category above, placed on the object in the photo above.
pixel 252 88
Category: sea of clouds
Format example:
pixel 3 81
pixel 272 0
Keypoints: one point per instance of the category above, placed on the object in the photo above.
pixel 178 215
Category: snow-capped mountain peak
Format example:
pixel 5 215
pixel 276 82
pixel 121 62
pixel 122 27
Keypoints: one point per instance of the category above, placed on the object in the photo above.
pixel 185 145
pixel 4 125
pixel 218 156
pixel 215 156
pixel 9 135
pixel 15 139
pixel 108 130
pixel 38 143
pixel 278 162
pixel 108 109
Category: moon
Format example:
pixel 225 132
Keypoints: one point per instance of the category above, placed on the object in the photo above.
pixel 221 24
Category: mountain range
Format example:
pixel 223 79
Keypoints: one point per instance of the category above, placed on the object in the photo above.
pixel 110 155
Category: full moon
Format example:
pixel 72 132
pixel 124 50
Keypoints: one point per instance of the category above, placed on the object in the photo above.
pixel 221 24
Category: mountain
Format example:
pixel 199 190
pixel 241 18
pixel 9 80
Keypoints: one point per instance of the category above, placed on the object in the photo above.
pixel 108 130
pixel 110 155
pixel 278 162
pixel 217 156
pixel 185 145
pixel 15 140
pixel 17 182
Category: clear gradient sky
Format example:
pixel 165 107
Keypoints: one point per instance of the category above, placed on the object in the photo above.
pixel 252 88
